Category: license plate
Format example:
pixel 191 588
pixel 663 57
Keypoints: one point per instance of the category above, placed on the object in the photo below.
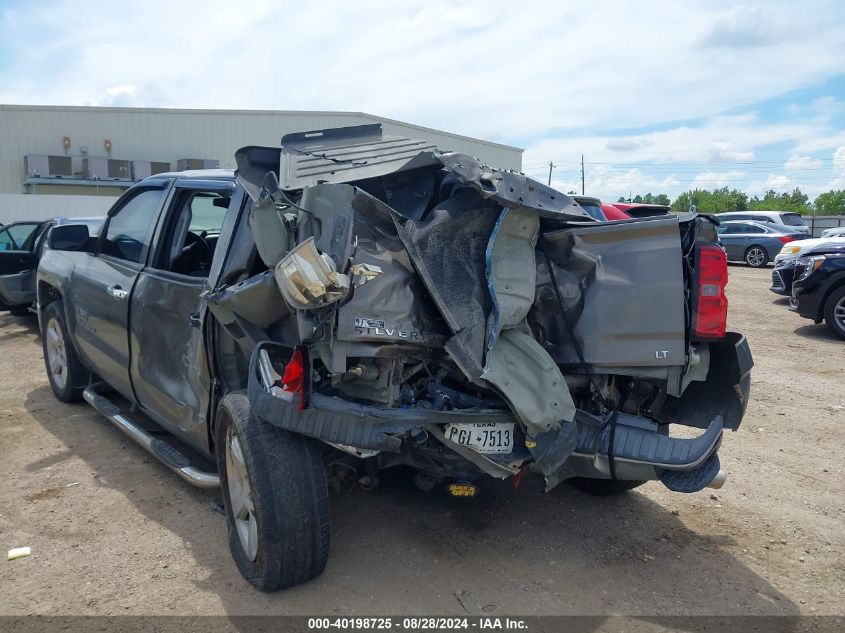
pixel 489 437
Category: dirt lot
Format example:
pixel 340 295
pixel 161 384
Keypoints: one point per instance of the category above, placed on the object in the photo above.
pixel 113 532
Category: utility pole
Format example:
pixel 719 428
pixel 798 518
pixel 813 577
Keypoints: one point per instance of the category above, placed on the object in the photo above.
pixel 551 166
pixel 582 174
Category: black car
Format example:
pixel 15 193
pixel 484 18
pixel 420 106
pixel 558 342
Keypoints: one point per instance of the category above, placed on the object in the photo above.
pixel 21 244
pixel 782 277
pixel 818 288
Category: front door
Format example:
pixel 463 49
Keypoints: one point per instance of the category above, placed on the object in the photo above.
pixel 103 282
pixel 169 368
pixel 18 261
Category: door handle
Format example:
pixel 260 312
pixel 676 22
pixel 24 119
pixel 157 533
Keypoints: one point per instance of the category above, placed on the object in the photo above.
pixel 117 292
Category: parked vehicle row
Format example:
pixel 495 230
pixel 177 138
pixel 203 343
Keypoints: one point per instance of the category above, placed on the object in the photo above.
pixel 755 243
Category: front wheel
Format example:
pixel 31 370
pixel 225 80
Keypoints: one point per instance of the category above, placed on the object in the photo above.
pixel 756 257
pixel 834 312
pixel 275 495
pixel 64 370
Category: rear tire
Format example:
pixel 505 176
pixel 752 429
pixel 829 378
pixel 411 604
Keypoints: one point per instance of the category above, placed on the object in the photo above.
pixel 834 312
pixel 756 256
pixel 276 498
pixel 64 371
pixel 603 487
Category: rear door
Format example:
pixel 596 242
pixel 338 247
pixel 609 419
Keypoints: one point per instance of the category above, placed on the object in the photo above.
pixel 102 284
pixel 168 367
pixel 18 261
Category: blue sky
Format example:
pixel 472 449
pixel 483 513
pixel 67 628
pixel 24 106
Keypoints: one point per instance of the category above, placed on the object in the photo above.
pixel 659 96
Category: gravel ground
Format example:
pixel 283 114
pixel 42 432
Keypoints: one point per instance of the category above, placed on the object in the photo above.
pixel 113 532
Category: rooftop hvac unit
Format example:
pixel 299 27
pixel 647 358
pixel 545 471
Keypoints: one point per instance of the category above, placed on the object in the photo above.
pixel 102 168
pixel 44 166
pixel 184 164
pixel 144 168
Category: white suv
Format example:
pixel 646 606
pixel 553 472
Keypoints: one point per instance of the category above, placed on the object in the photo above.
pixel 793 221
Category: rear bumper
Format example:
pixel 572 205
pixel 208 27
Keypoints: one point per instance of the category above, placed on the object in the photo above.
pixel 580 449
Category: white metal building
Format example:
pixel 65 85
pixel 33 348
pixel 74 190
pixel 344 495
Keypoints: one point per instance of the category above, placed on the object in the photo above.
pixel 74 161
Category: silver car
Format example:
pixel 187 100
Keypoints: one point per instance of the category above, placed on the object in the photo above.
pixel 755 243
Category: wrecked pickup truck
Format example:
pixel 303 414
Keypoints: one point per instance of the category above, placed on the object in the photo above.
pixel 351 301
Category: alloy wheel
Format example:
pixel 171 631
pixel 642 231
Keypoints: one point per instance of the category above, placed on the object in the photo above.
pixel 240 496
pixel 755 257
pixel 56 353
pixel 839 312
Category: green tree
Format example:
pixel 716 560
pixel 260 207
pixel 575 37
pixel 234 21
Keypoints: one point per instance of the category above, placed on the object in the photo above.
pixel 715 201
pixel 831 203
pixel 622 199
pixel 796 201
pixel 661 198
pixel 638 199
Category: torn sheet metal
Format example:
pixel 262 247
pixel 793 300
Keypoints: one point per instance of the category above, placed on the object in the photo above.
pixel 448 249
pixel 511 272
pixel 395 307
pixel 270 230
pixel 511 189
pixel 528 379
pixel 329 220
pixel 551 450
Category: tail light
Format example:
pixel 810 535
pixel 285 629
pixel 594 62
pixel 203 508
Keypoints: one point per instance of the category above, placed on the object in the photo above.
pixel 294 378
pixel 710 305
pixel 786 239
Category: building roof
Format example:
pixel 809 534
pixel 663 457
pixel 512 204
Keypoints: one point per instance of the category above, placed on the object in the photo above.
pixel 216 111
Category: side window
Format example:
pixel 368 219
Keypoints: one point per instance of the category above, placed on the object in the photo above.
pixel 755 229
pixel 14 238
pixel 728 229
pixel 6 241
pixel 129 231
pixel 189 238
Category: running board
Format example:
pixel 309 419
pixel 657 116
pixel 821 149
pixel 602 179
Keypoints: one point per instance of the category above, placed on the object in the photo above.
pixel 167 454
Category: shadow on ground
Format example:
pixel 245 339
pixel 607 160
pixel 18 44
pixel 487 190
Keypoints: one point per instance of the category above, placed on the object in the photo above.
pixel 818 332
pixel 397 550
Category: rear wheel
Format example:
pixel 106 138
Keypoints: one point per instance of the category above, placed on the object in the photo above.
pixel 603 487
pixel 834 312
pixel 276 498
pixel 756 257
pixel 64 371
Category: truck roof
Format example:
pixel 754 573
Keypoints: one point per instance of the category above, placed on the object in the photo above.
pixel 199 174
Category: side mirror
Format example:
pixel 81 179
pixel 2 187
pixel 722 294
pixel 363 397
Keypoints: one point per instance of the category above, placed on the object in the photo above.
pixel 68 237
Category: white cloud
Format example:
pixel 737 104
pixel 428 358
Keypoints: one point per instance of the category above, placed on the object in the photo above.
pixel 477 67
pixel 715 180
pixel 725 152
pixel 538 76
pixel 121 96
pixel 797 163
pixel 774 182
pixel 627 144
